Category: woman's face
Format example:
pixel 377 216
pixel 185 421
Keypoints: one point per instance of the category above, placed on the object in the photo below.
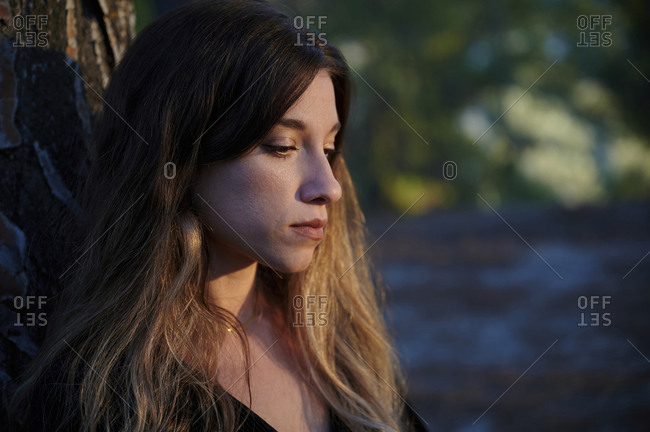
pixel 253 205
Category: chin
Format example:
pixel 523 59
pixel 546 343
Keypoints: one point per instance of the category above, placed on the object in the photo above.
pixel 293 263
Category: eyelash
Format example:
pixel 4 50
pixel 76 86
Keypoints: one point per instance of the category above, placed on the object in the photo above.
pixel 282 151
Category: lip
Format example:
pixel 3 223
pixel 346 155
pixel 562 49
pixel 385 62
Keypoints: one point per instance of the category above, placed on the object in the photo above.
pixel 314 223
pixel 313 229
pixel 309 232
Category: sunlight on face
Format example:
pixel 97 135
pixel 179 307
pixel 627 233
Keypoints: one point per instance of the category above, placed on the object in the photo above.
pixel 253 205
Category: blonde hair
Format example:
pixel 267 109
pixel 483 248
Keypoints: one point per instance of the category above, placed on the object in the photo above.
pixel 133 331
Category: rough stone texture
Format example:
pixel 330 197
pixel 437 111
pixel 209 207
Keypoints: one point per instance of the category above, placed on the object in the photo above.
pixel 52 71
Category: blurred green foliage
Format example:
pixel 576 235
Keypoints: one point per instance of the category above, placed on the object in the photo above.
pixel 500 90
pixel 145 12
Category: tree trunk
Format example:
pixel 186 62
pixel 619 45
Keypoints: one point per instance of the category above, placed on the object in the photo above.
pixel 55 60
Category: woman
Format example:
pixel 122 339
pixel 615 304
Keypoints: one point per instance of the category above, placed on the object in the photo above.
pixel 219 287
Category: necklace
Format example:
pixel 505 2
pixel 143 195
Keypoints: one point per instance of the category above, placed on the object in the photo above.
pixel 245 325
pixel 257 312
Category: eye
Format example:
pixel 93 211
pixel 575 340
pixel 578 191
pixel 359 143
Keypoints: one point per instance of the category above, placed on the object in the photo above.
pixel 330 153
pixel 280 150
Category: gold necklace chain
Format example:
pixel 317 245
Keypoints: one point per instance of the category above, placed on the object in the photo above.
pixel 257 312
pixel 247 323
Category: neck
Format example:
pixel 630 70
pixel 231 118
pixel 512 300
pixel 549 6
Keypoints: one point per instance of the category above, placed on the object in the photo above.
pixel 230 282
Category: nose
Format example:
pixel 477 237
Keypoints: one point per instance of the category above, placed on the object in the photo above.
pixel 320 185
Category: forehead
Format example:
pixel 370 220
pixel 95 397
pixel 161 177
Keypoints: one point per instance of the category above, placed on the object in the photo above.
pixel 317 105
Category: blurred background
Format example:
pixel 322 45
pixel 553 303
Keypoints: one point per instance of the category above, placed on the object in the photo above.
pixel 433 78
pixel 501 154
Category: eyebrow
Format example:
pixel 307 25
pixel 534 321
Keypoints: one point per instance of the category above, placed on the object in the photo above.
pixel 300 125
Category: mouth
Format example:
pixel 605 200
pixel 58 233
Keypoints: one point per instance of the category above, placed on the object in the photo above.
pixel 313 229
pixel 314 223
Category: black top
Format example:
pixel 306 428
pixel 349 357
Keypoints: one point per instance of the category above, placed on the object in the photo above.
pixel 255 423
pixel 45 413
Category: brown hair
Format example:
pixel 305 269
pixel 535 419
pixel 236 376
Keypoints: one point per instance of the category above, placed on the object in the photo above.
pixel 204 83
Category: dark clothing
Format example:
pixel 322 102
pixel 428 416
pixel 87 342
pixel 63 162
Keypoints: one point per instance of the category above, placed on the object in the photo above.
pixel 258 424
pixel 46 413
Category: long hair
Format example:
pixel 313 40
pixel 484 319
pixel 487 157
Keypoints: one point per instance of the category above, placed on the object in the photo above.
pixel 133 332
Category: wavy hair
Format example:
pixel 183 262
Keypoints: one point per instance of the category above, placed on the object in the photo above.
pixel 133 332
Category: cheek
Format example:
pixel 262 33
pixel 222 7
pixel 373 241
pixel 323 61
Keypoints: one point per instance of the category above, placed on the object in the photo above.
pixel 262 188
pixel 263 194
pixel 252 198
